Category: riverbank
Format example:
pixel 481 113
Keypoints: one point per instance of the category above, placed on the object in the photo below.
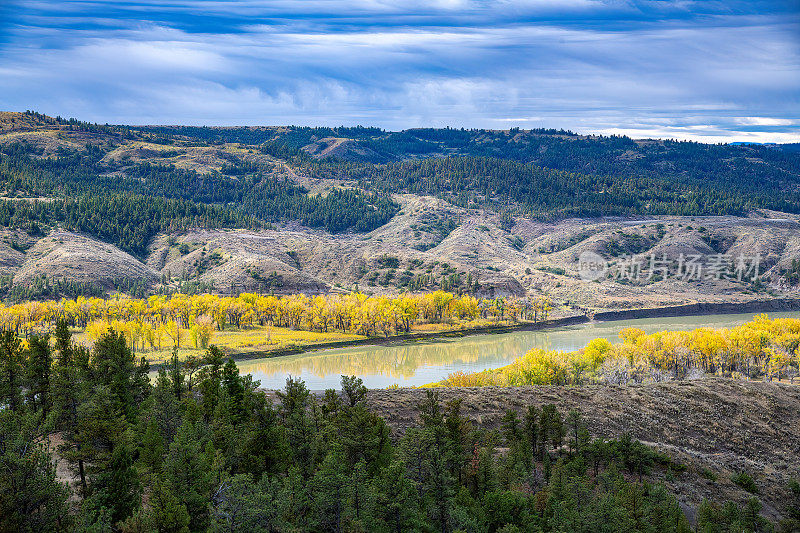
pixel 688 310
pixel 703 308
pixel 696 309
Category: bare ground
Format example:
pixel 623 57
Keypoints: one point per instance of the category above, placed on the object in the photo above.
pixel 530 258
pixel 66 255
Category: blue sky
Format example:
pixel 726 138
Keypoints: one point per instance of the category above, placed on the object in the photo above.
pixel 706 70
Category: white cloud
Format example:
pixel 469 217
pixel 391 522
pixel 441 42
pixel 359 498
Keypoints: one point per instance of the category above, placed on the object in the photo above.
pixel 766 121
pixel 710 134
pixel 401 65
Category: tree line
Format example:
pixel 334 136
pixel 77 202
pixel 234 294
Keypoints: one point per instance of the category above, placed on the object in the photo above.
pixel 160 318
pixel 202 449
pixel 539 191
pixel 77 190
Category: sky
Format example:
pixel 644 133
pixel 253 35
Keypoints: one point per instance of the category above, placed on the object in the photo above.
pixel 714 71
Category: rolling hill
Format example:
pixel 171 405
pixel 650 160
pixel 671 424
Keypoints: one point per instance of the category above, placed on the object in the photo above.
pixel 97 208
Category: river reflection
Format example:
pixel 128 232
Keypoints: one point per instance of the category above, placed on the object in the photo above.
pixel 429 361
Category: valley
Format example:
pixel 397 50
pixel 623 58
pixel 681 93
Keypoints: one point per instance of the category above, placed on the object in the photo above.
pixel 385 267
pixel 427 361
pixel 221 239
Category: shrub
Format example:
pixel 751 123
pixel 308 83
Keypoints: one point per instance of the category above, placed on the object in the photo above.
pixel 708 474
pixel 743 480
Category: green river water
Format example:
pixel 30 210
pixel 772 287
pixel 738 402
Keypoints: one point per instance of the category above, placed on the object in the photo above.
pixel 418 363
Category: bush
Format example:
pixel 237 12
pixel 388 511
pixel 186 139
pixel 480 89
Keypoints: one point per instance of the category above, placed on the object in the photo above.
pixel 708 474
pixel 743 480
pixel 388 261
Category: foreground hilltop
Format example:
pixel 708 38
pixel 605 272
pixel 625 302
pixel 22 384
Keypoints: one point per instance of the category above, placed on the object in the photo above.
pixel 92 208
pixel 717 427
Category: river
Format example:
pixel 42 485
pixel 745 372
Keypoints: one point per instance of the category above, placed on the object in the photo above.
pixel 418 363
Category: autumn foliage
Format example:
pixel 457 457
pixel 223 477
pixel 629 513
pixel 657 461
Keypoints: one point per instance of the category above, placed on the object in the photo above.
pixel 763 348
pixel 160 322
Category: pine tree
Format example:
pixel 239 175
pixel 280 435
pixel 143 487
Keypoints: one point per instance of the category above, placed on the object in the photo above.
pixel 265 448
pixel 63 344
pixel 114 366
pixel 210 379
pixel 151 449
pixel 188 474
pixel 532 428
pixel 116 485
pixel 38 368
pixel 99 426
pixel 294 413
pixel 364 436
pixel 176 375
pixel 31 497
pixel 163 406
pixel 328 492
pixel 242 505
pixel 11 370
pixel 575 424
pixel 167 514
pixel 353 389
pixel 436 482
pixel 234 390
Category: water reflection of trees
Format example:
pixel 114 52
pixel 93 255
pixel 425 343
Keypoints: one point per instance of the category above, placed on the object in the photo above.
pixel 401 361
pixel 469 353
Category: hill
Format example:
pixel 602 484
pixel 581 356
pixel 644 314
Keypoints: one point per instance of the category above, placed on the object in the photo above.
pixel 539 172
pixel 321 209
pixel 718 427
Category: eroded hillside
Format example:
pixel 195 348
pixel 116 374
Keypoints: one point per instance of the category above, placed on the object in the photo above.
pixel 417 251
pixel 248 209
